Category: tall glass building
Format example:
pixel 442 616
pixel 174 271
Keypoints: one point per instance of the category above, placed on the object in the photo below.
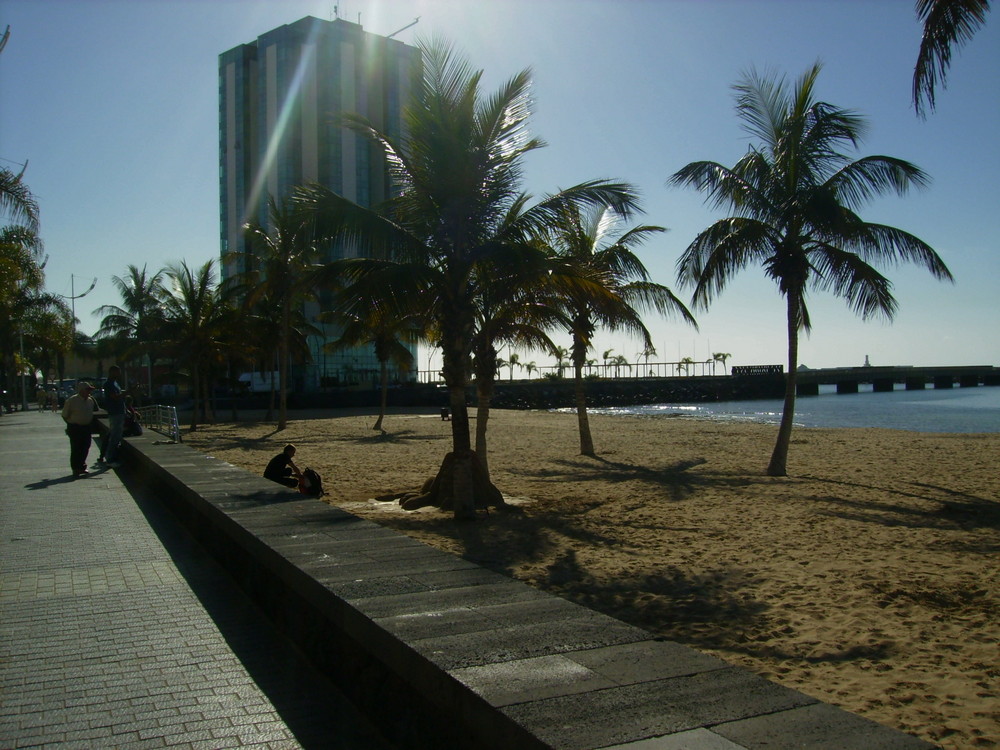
pixel 280 98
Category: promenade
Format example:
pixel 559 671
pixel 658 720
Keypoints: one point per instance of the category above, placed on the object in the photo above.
pixel 117 631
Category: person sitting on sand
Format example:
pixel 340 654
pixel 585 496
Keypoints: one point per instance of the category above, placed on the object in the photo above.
pixel 282 469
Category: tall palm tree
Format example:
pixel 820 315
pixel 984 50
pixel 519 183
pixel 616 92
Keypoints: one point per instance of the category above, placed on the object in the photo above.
pixel 25 307
pixel 615 288
pixel 794 198
pixel 514 309
pixel 280 266
pixel 946 23
pixel 138 321
pixel 195 313
pixel 456 172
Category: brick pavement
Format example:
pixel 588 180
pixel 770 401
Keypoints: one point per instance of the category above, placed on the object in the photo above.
pixel 116 630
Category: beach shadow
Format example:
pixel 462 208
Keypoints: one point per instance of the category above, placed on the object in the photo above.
pixel 676 479
pixel 955 510
pixel 709 610
pixel 386 437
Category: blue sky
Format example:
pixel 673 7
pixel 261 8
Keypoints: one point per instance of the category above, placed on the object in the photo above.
pixel 114 104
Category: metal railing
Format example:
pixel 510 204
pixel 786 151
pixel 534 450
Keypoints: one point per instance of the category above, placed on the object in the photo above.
pixel 162 419
pixel 635 371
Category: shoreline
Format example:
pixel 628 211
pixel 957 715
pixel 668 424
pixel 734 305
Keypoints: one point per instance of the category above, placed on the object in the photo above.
pixel 866 578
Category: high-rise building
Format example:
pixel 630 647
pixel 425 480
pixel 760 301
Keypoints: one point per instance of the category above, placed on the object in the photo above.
pixel 280 99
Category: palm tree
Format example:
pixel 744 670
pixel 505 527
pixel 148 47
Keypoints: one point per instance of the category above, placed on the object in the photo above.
pixel 16 200
pixel 685 365
pixel 373 324
pixel 280 267
pixel 794 199
pixel 514 308
pixel 720 357
pixel 195 313
pixel 514 360
pixel 530 367
pixel 561 353
pixel 139 319
pixel 946 22
pixel 647 351
pixel 456 171
pixel 615 286
pixel 25 308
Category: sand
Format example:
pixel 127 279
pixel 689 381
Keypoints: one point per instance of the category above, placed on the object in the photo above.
pixel 867 578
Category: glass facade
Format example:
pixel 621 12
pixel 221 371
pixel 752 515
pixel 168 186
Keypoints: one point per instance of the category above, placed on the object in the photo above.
pixel 280 98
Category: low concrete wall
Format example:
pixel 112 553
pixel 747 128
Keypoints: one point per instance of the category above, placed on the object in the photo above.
pixel 445 654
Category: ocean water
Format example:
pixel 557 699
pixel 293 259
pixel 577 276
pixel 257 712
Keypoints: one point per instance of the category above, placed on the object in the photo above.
pixel 947 410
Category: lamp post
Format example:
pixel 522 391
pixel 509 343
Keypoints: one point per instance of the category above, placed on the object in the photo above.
pixel 73 297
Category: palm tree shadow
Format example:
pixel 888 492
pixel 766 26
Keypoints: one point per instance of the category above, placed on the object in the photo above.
pixel 676 479
pixel 954 509
pixel 397 436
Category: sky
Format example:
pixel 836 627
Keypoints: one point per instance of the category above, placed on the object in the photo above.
pixel 113 104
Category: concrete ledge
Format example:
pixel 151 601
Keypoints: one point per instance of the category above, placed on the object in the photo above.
pixel 443 653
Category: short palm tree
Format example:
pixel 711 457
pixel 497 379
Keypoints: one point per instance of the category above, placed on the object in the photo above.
pixel 195 316
pixel 609 286
pixel 793 199
pixel 138 321
pixel 946 22
pixel 280 267
pixel 456 172
pixel 721 358
pixel 391 337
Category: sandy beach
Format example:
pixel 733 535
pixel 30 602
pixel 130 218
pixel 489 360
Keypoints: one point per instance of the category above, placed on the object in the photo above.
pixel 868 577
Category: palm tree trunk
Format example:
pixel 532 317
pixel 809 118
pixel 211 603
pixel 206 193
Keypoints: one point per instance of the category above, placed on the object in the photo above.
pixel 486 370
pixel 454 360
pixel 579 355
pixel 384 387
pixel 283 365
pixel 580 393
pixel 779 457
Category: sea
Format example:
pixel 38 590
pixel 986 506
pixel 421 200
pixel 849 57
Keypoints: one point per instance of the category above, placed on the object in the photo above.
pixel 955 410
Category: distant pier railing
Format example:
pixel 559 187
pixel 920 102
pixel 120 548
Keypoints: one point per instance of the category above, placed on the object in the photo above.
pixel 161 419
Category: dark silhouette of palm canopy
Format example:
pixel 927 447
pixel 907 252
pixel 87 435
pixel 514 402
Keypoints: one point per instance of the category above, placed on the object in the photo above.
pixel 616 288
pixel 456 172
pixel 946 23
pixel 16 200
pixel 794 198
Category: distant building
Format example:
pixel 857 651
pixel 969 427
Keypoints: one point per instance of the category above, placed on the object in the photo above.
pixel 280 98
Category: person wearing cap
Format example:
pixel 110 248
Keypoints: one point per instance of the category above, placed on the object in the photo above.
pixel 78 414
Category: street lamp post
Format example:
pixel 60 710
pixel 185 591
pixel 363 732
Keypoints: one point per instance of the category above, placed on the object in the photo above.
pixel 73 297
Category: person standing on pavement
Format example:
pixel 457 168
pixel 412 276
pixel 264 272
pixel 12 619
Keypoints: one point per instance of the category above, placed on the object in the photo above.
pixel 114 405
pixel 78 414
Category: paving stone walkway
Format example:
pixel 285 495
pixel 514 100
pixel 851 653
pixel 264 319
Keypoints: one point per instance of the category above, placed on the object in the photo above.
pixel 116 630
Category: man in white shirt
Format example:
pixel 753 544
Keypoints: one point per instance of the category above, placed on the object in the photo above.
pixel 78 414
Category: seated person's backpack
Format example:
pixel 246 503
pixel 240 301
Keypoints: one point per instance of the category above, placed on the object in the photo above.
pixel 311 483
